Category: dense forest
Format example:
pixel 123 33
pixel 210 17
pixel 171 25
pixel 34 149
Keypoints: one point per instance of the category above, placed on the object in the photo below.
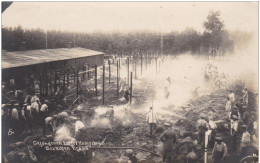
pixel 215 36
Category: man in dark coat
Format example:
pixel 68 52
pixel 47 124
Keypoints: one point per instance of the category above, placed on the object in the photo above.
pixel 168 137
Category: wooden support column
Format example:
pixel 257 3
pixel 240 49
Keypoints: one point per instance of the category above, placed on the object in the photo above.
pixel 77 78
pixel 84 74
pixel 156 64
pixel 117 77
pixel 119 68
pixel 68 78
pixel 141 64
pixel 55 82
pixel 135 67
pixel 46 83
pixel 109 75
pixel 131 88
pixel 128 71
pixel 146 57
pixel 88 72
pixel 159 66
pixel 64 82
pixel 74 75
pixel 103 84
pixel 96 79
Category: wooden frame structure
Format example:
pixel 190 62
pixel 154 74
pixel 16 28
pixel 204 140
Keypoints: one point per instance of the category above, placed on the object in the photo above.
pixel 52 67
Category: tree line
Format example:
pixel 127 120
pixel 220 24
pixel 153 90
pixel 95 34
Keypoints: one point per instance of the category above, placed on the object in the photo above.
pixel 213 37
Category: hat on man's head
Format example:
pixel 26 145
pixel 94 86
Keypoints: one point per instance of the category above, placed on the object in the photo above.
pixel 244 126
pixel 129 151
pixel 234 107
pixel 218 138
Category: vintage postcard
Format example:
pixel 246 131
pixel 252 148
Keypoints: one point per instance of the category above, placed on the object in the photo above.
pixel 130 82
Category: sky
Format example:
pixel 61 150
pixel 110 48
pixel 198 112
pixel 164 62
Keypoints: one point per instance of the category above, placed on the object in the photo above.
pixel 128 16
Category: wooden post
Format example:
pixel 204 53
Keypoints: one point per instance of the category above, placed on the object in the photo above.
pixel 88 72
pixel 51 86
pixel 146 57
pixel 46 83
pixel 74 77
pixel 77 84
pixel 55 82
pixel 135 67
pixel 156 65
pixel 131 89
pixel 117 76
pixel 68 78
pixel 119 69
pixel 159 66
pixel 103 84
pixel 83 75
pixel 141 64
pixel 109 75
pixel 63 79
pixel 96 79
pixel 128 71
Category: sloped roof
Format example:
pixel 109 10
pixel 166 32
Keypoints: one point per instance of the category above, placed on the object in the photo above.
pixel 32 57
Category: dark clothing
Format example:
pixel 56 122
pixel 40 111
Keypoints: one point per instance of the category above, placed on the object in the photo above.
pixel 240 107
pixel 127 94
pixel 133 159
pixel 219 151
pixel 152 128
pixel 234 113
pixel 168 137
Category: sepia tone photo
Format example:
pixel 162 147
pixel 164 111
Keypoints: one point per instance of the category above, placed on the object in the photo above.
pixel 129 82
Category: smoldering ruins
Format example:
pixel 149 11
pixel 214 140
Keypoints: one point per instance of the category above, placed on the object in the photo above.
pixel 134 96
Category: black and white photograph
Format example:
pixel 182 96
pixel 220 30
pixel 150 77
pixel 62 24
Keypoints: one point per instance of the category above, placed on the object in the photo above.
pixel 129 82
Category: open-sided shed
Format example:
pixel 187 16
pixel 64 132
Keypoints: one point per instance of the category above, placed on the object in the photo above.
pixel 48 66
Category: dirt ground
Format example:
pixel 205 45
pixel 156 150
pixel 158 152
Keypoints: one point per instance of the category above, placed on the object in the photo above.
pixel 135 133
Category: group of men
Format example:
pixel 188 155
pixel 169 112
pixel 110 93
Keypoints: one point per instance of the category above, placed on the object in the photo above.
pixel 22 116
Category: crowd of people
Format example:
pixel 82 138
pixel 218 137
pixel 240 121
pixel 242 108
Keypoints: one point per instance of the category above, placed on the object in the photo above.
pixel 31 110
pixel 24 110
pixel 242 123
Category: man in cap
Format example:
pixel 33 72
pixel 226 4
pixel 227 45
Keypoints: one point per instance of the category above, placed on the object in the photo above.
pixel 43 114
pixel 15 117
pixel 168 137
pixel 48 125
pixel 127 94
pixel 152 119
pixel 110 113
pixel 202 126
pixel 228 105
pixel 131 156
pixel 231 96
pixel 245 96
pixel 245 140
pixel 219 151
pixel 234 117
pixel 78 128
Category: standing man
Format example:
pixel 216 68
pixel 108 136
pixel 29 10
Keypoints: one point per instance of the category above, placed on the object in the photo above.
pixel 110 114
pixel 152 119
pixel 228 105
pixel 127 94
pixel 202 126
pixel 43 115
pixel 234 117
pixel 15 117
pixel 168 137
pixel 219 151
pixel 245 96
pixel 231 96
